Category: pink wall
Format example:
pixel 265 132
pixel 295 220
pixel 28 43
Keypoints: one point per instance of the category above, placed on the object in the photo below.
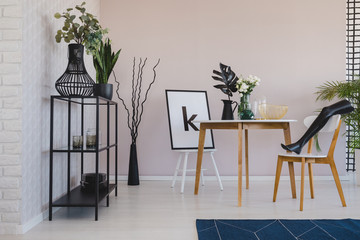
pixel 293 46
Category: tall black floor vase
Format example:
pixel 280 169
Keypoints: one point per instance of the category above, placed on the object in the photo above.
pixel 133 177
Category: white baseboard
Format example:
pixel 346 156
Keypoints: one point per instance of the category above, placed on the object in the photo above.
pixel 32 223
pixel 229 178
pixel 36 220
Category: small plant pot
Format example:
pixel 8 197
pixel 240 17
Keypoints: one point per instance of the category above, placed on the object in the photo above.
pixel 103 90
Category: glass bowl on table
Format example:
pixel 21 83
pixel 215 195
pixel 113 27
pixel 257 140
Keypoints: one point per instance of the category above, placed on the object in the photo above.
pixel 270 111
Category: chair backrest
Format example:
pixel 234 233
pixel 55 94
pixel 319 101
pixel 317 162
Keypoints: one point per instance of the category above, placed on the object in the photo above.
pixel 333 124
pixel 330 126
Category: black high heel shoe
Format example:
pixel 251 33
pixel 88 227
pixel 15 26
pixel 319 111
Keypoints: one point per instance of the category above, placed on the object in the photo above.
pixel 296 148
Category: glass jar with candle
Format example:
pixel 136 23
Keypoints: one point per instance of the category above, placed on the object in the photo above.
pixel 77 141
pixel 91 137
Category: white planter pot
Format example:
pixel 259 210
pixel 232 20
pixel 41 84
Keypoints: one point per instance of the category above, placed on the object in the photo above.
pixel 357 165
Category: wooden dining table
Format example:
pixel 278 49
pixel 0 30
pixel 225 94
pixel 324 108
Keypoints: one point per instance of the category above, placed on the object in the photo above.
pixel 241 125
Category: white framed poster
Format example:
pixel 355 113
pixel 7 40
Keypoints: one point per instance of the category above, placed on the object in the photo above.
pixel 184 107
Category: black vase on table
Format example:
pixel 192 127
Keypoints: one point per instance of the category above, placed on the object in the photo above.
pixel 75 81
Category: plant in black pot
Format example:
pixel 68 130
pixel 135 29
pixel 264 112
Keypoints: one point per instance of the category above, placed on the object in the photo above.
pixel 104 61
pixel 228 86
pixel 346 90
pixel 86 31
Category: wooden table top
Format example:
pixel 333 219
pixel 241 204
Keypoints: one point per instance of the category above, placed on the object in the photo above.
pixel 246 121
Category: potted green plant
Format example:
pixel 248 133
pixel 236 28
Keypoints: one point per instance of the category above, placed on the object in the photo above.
pixel 228 81
pixel 232 83
pixel 104 60
pixel 87 31
pixel 83 30
pixel 346 90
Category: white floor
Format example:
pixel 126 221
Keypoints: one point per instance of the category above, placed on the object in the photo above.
pixel 155 211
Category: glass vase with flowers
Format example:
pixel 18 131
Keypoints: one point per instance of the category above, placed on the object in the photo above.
pixel 245 86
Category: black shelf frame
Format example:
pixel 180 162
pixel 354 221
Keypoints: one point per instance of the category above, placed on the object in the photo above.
pixel 76 197
pixel 352 67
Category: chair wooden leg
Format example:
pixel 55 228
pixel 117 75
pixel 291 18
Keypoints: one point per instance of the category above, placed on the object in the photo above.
pixel 311 179
pixel 277 177
pixel 216 171
pixel 292 179
pixel 176 171
pixel 337 182
pixel 302 183
pixel 184 172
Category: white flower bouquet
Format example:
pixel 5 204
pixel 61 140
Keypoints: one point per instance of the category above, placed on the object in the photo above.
pixel 247 85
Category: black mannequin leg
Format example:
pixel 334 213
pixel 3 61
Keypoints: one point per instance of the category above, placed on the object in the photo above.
pixel 326 113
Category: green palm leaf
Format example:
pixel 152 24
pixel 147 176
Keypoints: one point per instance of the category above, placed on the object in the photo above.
pixel 349 90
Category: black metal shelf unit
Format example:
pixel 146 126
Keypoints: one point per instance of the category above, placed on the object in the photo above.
pixel 352 67
pixel 76 197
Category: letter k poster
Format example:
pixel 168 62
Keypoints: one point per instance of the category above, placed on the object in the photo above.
pixel 185 109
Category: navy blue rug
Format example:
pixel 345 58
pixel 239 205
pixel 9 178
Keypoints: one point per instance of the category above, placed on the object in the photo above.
pixel 280 229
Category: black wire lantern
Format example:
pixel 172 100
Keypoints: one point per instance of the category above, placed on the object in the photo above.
pixel 75 81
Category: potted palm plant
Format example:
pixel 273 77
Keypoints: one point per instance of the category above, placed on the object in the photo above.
pixel 228 81
pixel 104 60
pixel 346 90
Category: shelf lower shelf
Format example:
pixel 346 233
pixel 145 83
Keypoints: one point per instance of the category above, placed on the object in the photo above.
pixel 79 198
pixel 84 149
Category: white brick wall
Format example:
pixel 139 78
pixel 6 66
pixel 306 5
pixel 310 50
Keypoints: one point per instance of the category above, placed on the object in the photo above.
pixel 10 80
pixel 8 92
pixel 43 62
pixel 10 115
pixel 9 137
pixel 11 194
pixel 10 148
pixel 14 171
pixel 11 34
pixel 11 217
pixel 29 48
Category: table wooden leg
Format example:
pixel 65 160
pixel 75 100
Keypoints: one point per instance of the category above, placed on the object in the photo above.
pixel 287 135
pixel 239 163
pixel 287 138
pixel 199 157
pixel 247 158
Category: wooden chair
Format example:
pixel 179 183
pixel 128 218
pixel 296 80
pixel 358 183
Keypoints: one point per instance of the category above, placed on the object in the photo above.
pixel 184 155
pixel 332 125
